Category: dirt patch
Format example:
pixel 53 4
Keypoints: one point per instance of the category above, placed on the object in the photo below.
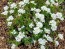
pixel 3 35
pixel 61 29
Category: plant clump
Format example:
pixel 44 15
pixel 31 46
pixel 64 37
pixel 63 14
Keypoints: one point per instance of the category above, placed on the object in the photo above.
pixel 30 21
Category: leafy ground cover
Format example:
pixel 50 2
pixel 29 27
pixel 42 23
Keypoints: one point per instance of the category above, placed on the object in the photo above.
pixel 34 47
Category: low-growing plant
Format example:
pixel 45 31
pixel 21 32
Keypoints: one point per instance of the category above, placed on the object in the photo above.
pixel 30 21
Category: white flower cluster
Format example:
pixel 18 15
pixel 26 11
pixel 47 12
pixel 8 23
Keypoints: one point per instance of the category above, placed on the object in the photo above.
pixel 44 8
pixel 38 24
pixel 42 42
pixel 37 30
pixel 13 32
pixel 19 36
pixel 51 2
pixel 48 38
pixel 13 46
pixel 58 15
pixel 47 30
pixel 53 25
pixel 40 16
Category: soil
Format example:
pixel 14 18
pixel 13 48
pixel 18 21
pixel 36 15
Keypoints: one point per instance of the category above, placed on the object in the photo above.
pixel 3 33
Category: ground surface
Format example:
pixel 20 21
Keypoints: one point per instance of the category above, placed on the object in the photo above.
pixel 3 34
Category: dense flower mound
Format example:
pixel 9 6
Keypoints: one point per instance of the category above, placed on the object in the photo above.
pixel 30 21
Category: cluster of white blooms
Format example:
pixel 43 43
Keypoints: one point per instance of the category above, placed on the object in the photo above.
pixel 21 3
pixel 33 2
pixel 5 13
pixel 56 43
pixel 13 5
pixel 13 46
pixel 36 10
pixel 26 1
pixel 10 18
pixel 39 24
pixel 57 15
pixel 37 30
pixel 51 2
pixel 9 23
pixel 31 25
pixel 13 32
pixel 40 16
pixel 60 36
pixel 47 30
pixel 44 8
pixel 19 36
pixel 53 25
pixel 6 8
pixel 42 41
pixel 48 38
pixel 42 47
pixel 21 11
pixel 11 11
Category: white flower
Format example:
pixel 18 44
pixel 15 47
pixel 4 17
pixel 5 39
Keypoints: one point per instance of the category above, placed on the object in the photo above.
pixel 31 25
pixel 53 16
pixel 40 16
pixel 47 30
pixel 5 13
pixel 42 41
pixel 18 39
pixel 33 9
pixel 26 1
pixel 37 30
pixel 39 24
pixel 44 8
pixel 19 14
pixel 56 43
pixel 56 4
pixel 6 7
pixel 48 38
pixel 54 28
pixel 62 18
pixel 10 18
pixel 19 36
pixel 19 29
pixel 13 5
pixel 48 10
pixel 33 2
pixel 13 32
pixel 52 23
pixel 21 11
pixel 21 3
pixel 37 10
pixel 22 27
pixel 13 46
pixel 11 11
pixel 42 47
pixel 47 2
pixel 9 23
pixel 59 15
pixel 52 1
pixel 61 36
